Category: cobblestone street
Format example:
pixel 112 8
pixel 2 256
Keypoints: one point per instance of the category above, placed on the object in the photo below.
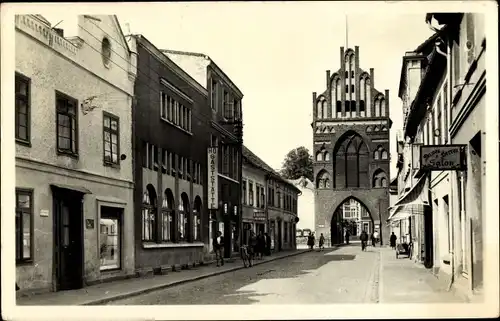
pixel 340 276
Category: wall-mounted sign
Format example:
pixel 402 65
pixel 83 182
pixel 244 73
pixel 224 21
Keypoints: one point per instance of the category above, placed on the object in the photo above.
pixel 89 223
pixel 259 216
pixel 442 157
pixel 415 156
pixel 44 213
pixel 212 185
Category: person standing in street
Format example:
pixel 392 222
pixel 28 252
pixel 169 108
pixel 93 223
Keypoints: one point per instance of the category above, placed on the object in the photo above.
pixel 393 240
pixel 376 236
pixel 268 244
pixel 218 244
pixel 372 238
pixel 347 234
pixel 363 238
pixel 321 242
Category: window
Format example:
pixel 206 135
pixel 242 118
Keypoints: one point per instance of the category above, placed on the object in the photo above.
pixel 244 192
pixel 164 105
pixel 347 106
pixel 250 193
pixel 184 219
pixel 346 87
pixel 24 225
pixel 339 107
pixel 22 108
pixel 352 86
pixel 351 162
pixel 168 214
pixel 149 214
pixel 285 234
pixel 106 51
pixel 197 219
pixel 110 238
pixel 111 134
pixel 67 125
pixel 227 106
pixel 262 198
pixel 323 180
pixel 214 95
pixel 258 195
pixel 379 179
pixel 237 109
pixel 225 160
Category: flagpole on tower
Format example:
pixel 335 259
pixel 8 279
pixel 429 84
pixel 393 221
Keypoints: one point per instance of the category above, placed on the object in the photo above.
pixel 346 32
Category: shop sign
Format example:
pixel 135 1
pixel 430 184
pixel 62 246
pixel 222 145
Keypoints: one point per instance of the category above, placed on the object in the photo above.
pixel 442 157
pixel 212 179
pixel 259 216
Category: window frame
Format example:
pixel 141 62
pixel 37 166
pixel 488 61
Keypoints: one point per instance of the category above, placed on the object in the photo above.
pixel 27 80
pixel 63 152
pixel 118 215
pixel 111 117
pixel 30 193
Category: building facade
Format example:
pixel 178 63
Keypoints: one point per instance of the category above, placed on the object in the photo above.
pixel 351 147
pixel 226 143
pixel 270 202
pixel 445 208
pixel 171 126
pixel 74 184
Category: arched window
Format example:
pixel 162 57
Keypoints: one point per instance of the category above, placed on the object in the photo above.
pixel 347 108
pixel 327 156
pixel 353 108
pixel 319 109
pixel 149 203
pixel 375 155
pixel 333 94
pixel 324 107
pixel 168 216
pixel 382 107
pixel 379 178
pixel 319 156
pixel 323 180
pixel 339 108
pixel 197 219
pixel 377 107
pixel 184 218
pixel 351 162
pixel 385 155
pixel 369 129
pixel 368 97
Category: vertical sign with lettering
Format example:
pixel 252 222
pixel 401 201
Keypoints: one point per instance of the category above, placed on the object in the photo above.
pixel 212 178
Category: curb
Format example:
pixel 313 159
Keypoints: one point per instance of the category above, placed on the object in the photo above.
pixel 175 283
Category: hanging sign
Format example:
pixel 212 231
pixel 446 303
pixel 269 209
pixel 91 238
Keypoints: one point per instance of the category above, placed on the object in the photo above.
pixel 212 185
pixel 442 157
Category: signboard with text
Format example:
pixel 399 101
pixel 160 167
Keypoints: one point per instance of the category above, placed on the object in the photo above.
pixel 259 216
pixel 442 157
pixel 212 185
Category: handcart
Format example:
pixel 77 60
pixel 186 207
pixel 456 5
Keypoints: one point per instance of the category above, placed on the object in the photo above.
pixel 403 249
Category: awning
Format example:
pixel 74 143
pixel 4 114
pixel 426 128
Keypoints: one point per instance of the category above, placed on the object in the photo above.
pixel 417 195
pixel 412 202
pixel 79 189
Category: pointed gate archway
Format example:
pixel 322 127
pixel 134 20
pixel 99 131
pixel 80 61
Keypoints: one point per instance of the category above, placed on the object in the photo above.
pixel 350 215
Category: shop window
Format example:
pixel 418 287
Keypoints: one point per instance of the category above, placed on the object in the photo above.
pixel 110 238
pixel 24 225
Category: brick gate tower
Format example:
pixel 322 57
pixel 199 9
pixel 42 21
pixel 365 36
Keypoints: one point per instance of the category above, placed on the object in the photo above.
pixel 351 151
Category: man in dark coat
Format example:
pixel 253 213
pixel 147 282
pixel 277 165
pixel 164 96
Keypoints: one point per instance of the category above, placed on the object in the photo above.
pixel 393 240
pixel 268 244
pixel 363 238
pixel 218 244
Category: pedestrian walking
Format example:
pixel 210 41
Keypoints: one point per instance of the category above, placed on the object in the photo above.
pixel 218 244
pixel 347 234
pixel 363 238
pixel 310 241
pixel 376 236
pixel 393 240
pixel 268 244
pixel 372 238
pixel 261 245
pixel 252 246
pixel 321 242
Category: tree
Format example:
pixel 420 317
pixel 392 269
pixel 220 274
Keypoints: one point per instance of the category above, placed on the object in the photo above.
pixel 298 162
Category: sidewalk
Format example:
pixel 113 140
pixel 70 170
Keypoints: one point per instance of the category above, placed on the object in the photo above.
pixel 106 292
pixel 403 281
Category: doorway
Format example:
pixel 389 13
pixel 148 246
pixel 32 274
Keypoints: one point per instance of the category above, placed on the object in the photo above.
pixel 68 239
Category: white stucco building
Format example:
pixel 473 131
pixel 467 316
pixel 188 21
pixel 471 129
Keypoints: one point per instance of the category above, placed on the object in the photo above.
pixel 74 180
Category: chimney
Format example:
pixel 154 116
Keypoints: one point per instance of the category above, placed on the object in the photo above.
pixel 328 79
pixel 60 32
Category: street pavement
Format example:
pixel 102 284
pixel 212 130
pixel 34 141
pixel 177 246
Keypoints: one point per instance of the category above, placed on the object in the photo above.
pixel 342 275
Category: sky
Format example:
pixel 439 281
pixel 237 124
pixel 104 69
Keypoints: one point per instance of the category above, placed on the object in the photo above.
pixel 278 54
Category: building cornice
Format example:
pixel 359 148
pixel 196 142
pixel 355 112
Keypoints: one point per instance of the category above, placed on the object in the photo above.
pixel 225 78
